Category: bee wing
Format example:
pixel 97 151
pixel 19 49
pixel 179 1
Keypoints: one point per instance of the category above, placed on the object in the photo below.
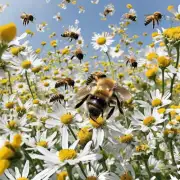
pixel 84 91
pixel 123 92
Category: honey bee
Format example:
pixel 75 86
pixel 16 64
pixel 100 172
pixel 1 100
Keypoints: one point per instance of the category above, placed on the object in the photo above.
pixel 107 11
pixel 131 15
pixel 26 18
pixel 57 97
pixel 101 93
pixel 155 17
pixel 70 35
pixel 79 54
pixel 132 61
pixel 65 82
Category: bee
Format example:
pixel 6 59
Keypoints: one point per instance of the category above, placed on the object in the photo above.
pixel 26 18
pixel 79 54
pixel 70 35
pixel 57 97
pixel 132 61
pixel 156 17
pixel 101 93
pixel 107 11
pixel 65 82
pixel 130 16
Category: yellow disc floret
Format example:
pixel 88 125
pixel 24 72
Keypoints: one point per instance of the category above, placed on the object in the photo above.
pixel 149 121
pixel 127 138
pixel 126 176
pixel 84 135
pixel 101 40
pixel 62 175
pixel 17 140
pixel 26 64
pixel 42 143
pixel 98 122
pixel 66 154
pixel 9 105
pixel 163 61
pixel 91 178
pixel 66 118
pixel 156 102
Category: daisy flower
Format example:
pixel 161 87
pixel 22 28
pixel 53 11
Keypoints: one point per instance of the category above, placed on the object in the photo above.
pixel 94 1
pixel 67 155
pixel 102 41
pixel 80 42
pixel 40 28
pixel 57 17
pixel 115 52
pixel 81 9
pixel 175 13
pixel 8 102
pixel 108 10
pixel 148 120
pixel 3 7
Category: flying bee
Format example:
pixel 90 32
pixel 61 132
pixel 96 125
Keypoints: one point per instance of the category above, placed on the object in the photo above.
pixel 79 54
pixel 65 82
pixel 107 11
pixel 57 97
pixel 131 15
pixel 26 18
pixel 132 61
pixel 100 94
pixel 155 17
pixel 70 35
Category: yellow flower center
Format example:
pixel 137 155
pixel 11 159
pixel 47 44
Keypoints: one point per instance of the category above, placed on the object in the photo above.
pixel 38 51
pixel 43 43
pixel 101 40
pixel 98 122
pixel 9 105
pixel 149 121
pixel 15 50
pixel 163 61
pixel 36 69
pixel 84 135
pixel 4 165
pixel 156 102
pixel 26 64
pixel 161 44
pixel 12 124
pixel 35 101
pixel 79 41
pixel 169 132
pixel 4 81
pixel 142 147
pixel 65 51
pixel 42 143
pixel 22 178
pixel 66 154
pixel 62 175
pixel 178 16
pixel 53 43
pixel 170 8
pixel 154 34
pixel 150 73
pixel 178 118
pixel 129 6
pixel 8 32
pixel 151 56
pixel 161 110
pixel 66 118
pixel 17 139
pixel 91 178
pixel 126 138
pixel 126 176
pixel 46 84
pixel 6 153
pixel 172 33
pixel 20 86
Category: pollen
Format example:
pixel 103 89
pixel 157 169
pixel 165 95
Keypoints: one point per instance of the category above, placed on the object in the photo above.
pixel 12 124
pixel 156 102
pixel 126 176
pixel 151 56
pixel 6 153
pixel 9 105
pixel 163 61
pixel 42 143
pixel 66 154
pixel 62 175
pixel 8 32
pixel 91 178
pixel 17 139
pixel 84 135
pixel 66 118
pixel 149 121
pixel 127 138
pixel 4 165
pixel 101 40
pixel 26 64
pixel 22 178
pixel 98 122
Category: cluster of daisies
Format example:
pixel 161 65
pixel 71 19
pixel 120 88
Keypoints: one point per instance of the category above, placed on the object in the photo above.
pixel 44 140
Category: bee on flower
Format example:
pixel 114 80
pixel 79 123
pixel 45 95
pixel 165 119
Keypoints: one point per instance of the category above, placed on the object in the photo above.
pixel 109 10
pixel 57 17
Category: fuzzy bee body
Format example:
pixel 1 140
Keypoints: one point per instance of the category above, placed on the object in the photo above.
pixel 107 11
pixel 79 54
pixel 70 35
pixel 27 18
pixel 156 17
pixel 57 97
pixel 132 61
pixel 65 82
pixel 101 93
pixel 131 17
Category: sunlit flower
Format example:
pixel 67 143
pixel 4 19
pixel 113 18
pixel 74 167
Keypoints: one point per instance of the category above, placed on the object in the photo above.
pixel 174 12
pixel 58 17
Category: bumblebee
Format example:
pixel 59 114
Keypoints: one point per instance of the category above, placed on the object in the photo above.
pixel 156 17
pixel 132 17
pixel 57 97
pixel 79 54
pixel 65 82
pixel 102 93
pixel 26 18
pixel 107 11
pixel 70 35
pixel 132 61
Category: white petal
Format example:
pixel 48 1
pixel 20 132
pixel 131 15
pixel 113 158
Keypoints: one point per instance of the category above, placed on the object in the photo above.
pixel 64 138
pixel 26 170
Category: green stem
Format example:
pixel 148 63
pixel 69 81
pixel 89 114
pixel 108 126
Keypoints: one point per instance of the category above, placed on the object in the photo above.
pixel 147 168
pixel 174 76
pixel 81 167
pixel 172 154
pixel 112 71
pixel 69 171
pixel 72 132
pixel 9 79
pixel 163 82
pixel 26 75
pixel 103 161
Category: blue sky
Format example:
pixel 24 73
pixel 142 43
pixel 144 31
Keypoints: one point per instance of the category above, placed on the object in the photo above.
pixel 89 21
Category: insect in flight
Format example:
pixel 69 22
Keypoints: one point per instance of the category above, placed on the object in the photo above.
pixel 155 17
pixel 79 54
pixel 70 35
pixel 131 15
pixel 57 98
pixel 27 18
pixel 132 61
pixel 101 93
pixel 65 82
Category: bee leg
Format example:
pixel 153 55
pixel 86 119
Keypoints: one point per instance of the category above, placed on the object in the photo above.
pixel 127 63
pixel 119 104
pixel 157 22
pixel 82 101
pixel 110 112
pixel 72 57
pixel 153 23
